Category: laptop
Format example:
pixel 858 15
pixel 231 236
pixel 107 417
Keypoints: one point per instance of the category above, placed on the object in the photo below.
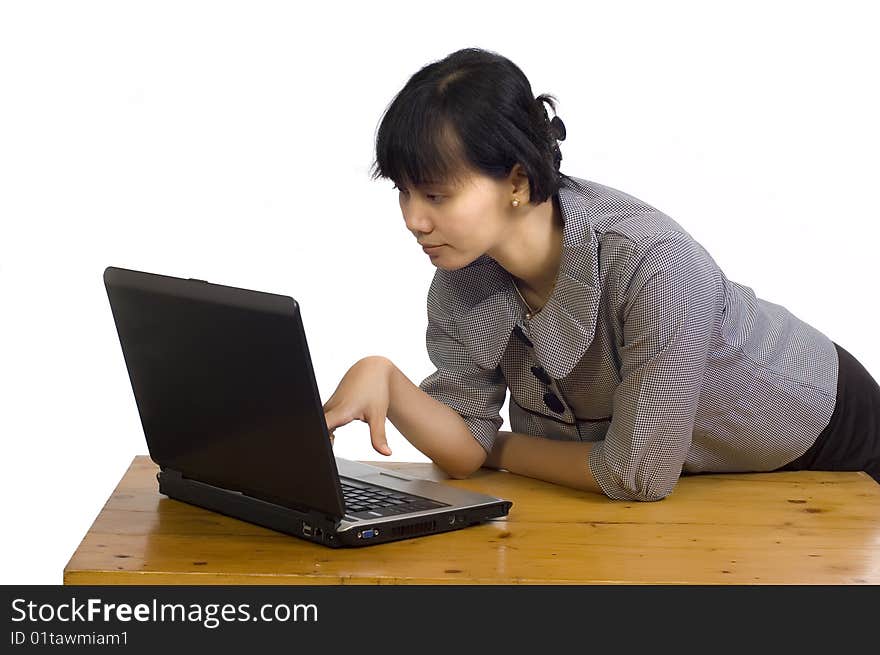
pixel 223 382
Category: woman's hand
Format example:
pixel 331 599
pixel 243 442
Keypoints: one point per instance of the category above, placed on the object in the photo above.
pixel 362 394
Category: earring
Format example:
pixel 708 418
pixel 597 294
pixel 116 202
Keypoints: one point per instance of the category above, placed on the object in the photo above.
pixel 514 202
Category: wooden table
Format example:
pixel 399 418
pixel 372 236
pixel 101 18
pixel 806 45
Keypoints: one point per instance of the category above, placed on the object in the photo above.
pixel 757 528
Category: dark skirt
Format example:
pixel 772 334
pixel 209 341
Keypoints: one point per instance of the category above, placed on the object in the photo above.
pixel 851 442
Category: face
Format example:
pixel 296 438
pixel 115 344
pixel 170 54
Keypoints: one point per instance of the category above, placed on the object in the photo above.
pixel 466 218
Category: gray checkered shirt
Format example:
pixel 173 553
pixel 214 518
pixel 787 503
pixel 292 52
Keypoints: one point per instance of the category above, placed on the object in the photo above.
pixel 651 351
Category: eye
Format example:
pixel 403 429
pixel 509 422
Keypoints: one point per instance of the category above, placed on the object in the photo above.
pixel 433 197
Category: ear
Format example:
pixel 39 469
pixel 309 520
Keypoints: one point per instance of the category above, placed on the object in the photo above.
pixel 519 183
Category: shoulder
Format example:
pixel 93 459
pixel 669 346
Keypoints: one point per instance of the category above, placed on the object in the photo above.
pixel 666 269
pixel 637 241
pixel 622 222
pixel 610 210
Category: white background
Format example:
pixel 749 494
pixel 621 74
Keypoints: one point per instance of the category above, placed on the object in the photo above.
pixel 231 141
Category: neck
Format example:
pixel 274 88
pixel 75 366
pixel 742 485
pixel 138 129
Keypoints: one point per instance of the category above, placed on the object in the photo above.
pixel 532 249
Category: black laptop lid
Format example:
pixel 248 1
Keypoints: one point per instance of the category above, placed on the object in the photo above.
pixel 225 389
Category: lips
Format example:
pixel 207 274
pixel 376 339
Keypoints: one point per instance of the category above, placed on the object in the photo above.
pixel 430 249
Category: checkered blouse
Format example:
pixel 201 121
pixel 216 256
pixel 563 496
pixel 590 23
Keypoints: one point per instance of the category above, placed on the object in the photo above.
pixel 644 347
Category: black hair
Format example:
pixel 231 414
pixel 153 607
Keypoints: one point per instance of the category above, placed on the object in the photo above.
pixel 474 108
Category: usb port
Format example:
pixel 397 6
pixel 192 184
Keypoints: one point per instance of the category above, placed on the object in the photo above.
pixel 307 529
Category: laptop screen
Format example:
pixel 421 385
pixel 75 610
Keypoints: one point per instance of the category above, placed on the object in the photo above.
pixel 224 386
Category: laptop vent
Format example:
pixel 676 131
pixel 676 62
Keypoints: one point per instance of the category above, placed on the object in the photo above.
pixel 415 528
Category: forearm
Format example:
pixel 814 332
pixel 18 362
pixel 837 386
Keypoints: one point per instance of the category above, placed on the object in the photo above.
pixel 560 462
pixel 434 428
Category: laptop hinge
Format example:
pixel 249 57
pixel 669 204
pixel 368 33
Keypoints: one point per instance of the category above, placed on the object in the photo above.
pixel 170 477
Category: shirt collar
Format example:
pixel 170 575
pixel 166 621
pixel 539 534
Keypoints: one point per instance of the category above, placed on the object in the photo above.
pixel 563 329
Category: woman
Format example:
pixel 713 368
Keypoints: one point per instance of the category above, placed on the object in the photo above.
pixel 629 356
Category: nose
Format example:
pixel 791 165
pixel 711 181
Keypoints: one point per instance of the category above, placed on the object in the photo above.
pixel 416 216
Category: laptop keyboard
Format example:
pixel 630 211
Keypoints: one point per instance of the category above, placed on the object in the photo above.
pixel 368 501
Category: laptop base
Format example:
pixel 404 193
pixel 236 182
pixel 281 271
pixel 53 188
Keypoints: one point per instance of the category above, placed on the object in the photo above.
pixel 314 526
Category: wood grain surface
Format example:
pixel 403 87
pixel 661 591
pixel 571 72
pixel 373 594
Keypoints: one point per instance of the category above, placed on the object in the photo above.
pixel 757 528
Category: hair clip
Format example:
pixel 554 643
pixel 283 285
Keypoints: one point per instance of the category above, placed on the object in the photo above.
pixel 558 128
